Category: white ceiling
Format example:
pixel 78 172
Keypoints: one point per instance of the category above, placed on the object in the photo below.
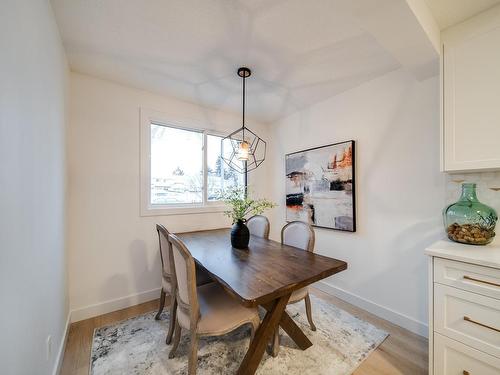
pixel 300 52
pixel 450 12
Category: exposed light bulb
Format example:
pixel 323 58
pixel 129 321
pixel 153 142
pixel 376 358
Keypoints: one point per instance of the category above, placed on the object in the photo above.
pixel 243 151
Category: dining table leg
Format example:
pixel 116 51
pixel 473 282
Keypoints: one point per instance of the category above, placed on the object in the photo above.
pixel 262 336
pixel 293 330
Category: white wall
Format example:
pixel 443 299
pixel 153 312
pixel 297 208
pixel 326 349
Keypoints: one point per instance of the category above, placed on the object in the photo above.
pixel 400 191
pixel 33 293
pixel 113 251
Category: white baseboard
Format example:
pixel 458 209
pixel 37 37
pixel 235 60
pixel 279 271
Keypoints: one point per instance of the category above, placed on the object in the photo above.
pixel 113 305
pixel 420 328
pixel 415 326
pixel 62 346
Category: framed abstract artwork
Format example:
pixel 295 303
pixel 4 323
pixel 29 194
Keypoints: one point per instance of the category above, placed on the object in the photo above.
pixel 320 186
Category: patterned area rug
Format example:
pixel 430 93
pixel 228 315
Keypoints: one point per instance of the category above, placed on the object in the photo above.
pixel 137 346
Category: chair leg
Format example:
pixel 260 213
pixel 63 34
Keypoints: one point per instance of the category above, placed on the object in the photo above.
pixel 309 312
pixel 162 304
pixel 193 354
pixel 173 319
pixel 177 338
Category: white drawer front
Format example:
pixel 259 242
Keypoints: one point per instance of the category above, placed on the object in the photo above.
pixel 454 358
pixel 478 279
pixel 468 317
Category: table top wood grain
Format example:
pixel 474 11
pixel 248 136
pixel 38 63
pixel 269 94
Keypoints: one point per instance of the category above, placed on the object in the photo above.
pixel 262 273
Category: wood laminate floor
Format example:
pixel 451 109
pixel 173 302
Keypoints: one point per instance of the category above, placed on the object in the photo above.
pixel 403 352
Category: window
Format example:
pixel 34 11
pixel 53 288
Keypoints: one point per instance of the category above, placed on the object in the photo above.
pixel 176 166
pixel 181 168
pixel 219 175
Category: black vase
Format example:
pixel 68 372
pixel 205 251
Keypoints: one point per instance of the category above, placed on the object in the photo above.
pixel 240 235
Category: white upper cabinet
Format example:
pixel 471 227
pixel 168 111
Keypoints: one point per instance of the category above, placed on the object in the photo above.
pixel 471 94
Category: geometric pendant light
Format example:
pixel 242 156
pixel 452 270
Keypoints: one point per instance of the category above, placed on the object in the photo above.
pixel 248 150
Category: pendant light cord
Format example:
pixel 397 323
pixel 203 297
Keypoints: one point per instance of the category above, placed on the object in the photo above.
pixel 244 77
pixel 245 162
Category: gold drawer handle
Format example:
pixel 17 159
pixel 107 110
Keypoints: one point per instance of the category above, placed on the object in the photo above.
pixel 481 281
pixel 466 318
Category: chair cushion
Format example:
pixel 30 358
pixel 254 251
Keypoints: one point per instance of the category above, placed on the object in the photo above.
pixel 297 234
pixel 298 295
pixel 258 226
pixel 220 313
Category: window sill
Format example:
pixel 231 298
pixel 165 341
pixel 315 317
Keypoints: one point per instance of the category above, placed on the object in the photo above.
pixel 167 211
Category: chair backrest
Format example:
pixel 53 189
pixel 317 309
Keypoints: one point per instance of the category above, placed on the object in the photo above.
pixel 185 279
pixel 165 250
pixel 298 234
pixel 258 225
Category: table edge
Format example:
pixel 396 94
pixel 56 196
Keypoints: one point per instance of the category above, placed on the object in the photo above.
pixel 278 292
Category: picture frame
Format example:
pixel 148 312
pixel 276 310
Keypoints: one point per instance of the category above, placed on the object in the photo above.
pixel 320 186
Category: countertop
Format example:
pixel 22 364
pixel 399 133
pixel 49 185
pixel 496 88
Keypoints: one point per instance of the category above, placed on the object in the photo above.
pixel 487 255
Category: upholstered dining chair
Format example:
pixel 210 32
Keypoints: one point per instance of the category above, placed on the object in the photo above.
pixel 206 310
pixel 301 235
pixel 258 225
pixel 166 278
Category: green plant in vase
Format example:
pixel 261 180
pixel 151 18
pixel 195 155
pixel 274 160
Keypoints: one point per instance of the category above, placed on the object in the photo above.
pixel 242 206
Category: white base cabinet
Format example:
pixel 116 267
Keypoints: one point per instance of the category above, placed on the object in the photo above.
pixel 464 309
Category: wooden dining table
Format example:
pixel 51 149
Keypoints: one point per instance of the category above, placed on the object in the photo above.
pixel 264 275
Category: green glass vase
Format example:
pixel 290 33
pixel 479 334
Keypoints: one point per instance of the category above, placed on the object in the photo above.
pixel 468 220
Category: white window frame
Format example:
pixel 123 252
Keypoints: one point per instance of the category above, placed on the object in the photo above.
pixel 148 117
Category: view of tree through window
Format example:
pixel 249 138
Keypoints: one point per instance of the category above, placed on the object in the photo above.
pixel 177 165
pixel 220 176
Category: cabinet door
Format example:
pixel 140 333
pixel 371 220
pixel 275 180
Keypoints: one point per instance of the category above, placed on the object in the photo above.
pixel 454 358
pixel 471 94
